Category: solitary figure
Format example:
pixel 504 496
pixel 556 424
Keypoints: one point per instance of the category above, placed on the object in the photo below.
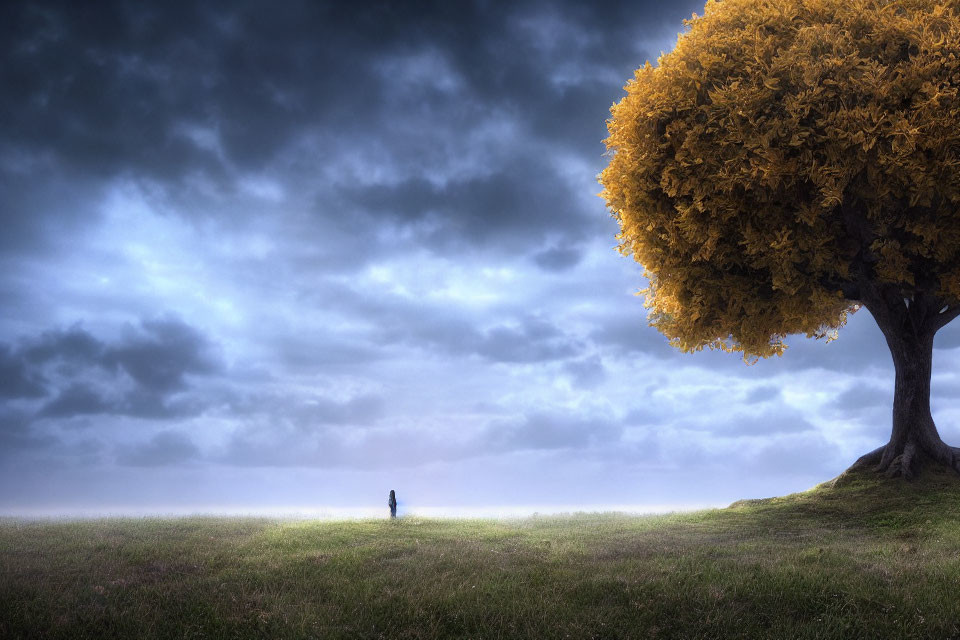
pixel 393 504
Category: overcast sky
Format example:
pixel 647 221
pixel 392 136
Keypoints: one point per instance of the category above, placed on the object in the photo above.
pixel 259 255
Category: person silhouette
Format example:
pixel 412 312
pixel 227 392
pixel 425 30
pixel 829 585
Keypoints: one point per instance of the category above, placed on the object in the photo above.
pixel 393 504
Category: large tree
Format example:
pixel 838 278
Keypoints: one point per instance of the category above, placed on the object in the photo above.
pixel 790 162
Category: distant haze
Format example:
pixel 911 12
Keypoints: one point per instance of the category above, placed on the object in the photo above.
pixel 283 260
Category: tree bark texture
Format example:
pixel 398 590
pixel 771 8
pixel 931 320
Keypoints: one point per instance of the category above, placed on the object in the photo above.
pixel 909 327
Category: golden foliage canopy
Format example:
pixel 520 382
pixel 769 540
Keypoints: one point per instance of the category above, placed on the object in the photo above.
pixel 784 151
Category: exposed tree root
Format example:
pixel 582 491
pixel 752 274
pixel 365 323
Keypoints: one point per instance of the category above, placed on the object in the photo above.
pixel 868 460
pixel 907 463
pixel 903 465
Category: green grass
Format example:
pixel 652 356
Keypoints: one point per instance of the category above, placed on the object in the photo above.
pixel 869 559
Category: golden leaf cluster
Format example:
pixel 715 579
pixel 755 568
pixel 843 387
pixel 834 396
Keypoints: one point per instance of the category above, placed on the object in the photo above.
pixel 734 160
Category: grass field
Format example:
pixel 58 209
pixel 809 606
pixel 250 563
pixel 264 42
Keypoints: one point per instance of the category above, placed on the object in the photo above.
pixel 870 559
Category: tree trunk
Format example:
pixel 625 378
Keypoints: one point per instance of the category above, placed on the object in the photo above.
pixel 909 329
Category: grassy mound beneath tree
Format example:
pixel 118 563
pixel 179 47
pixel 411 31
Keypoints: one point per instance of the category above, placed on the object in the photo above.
pixel 867 558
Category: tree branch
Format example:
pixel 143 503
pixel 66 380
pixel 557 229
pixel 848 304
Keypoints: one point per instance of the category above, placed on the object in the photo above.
pixel 850 290
pixel 943 318
pixel 887 307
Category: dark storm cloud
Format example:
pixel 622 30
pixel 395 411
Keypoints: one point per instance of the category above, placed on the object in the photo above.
pixel 22 444
pixel 16 435
pixel 103 88
pixel 509 208
pixel 158 405
pixel 533 340
pixel 863 399
pixel 75 400
pixel 160 353
pixel 72 346
pixel 17 379
pixel 168 91
pixel 557 258
pixel 83 375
